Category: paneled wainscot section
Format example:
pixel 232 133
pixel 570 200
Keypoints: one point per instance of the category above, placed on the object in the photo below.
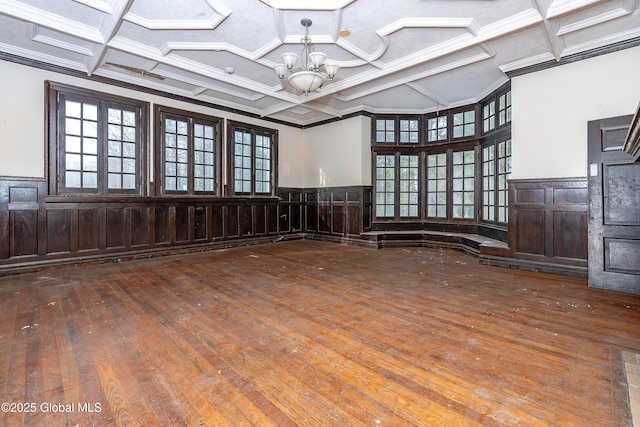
pixel 37 230
pixel 547 229
pixel 548 222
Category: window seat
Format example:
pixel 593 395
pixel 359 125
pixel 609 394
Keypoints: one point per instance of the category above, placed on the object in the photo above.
pixel 474 244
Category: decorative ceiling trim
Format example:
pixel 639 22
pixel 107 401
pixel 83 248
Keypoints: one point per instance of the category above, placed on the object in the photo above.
pixel 202 86
pixel 221 13
pixel 307 4
pixel 45 19
pixel 417 76
pixel 142 50
pixel 510 71
pixel 469 24
pixel 34 33
pixel 175 24
pixel 609 40
pixel 38 57
pixel 563 7
pixel 100 5
pixel 594 20
pixel 109 26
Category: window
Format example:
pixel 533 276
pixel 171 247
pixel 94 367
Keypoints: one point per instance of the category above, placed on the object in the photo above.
pixel 409 131
pixel 253 160
pixel 437 129
pixel 385 130
pixel 394 130
pixel 408 185
pixel 437 185
pixel 385 185
pixel 96 142
pixel 504 172
pixel 504 108
pixel 489 116
pixel 489 183
pixel 397 179
pixel 464 124
pixel 464 184
pixel 452 167
pixel 496 169
pixel 189 147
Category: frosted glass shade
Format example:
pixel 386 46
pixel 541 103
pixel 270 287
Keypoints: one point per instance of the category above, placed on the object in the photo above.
pixel 331 70
pixel 306 81
pixel 289 59
pixel 281 70
pixel 316 59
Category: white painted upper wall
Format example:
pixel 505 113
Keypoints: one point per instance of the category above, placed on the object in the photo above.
pixel 22 118
pixel 551 109
pixel 338 153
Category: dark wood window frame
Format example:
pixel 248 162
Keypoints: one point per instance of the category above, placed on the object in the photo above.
pixel 438 118
pixel 57 149
pixel 504 108
pixel 476 123
pixel 451 202
pixel 403 199
pixel 164 113
pixel 499 179
pixel 448 146
pixel 254 158
pixel 505 112
pixel 423 190
pixel 400 134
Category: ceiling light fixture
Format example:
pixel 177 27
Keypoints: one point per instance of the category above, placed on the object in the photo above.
pixel 308 77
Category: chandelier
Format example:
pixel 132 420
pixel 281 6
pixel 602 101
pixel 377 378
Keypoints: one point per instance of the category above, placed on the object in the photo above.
pixel 311 75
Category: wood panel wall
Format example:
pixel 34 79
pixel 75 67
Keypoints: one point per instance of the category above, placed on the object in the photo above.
pixel 548 221
pixel 343 212
pixel 37 229
pixel 547 227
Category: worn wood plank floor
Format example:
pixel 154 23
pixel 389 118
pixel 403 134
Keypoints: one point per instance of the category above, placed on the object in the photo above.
pixel 308 333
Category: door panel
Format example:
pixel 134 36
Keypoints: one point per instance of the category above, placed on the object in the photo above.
pixel 614 208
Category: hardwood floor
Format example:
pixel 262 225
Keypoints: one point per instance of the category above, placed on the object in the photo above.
pixel 312 334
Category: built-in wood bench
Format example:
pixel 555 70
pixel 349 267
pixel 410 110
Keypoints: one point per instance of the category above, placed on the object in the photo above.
pixel 473 244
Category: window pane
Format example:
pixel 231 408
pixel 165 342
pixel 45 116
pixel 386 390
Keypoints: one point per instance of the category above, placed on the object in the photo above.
pixel 385 130
pixel 385 185
pixel 436 185
pixel 128 181
pixel 72 179
pixel 73 109
pixel 409 131
pixel 242 162
pixel 463 183
pixel 408 184
pixel 89 180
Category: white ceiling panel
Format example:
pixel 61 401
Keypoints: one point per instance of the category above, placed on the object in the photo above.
pixel 412 56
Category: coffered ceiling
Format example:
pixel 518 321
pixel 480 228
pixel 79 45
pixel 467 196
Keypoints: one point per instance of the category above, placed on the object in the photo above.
pixel 406 56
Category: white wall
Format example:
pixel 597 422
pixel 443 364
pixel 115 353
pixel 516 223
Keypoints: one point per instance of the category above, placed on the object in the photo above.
pixel 22 117
pixel 21 121
pixel 338 153
pixel 551 109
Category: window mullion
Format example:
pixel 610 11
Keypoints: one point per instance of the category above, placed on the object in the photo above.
pixel 253 163
pixel 190 157
pixel 396 183
pixel 103 153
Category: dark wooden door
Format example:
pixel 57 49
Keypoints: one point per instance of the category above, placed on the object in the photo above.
pixel 614 208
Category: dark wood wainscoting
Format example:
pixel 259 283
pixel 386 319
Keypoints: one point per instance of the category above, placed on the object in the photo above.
pixel 548 222
pixel 37 230
pixel 547 229
pixel 338 212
